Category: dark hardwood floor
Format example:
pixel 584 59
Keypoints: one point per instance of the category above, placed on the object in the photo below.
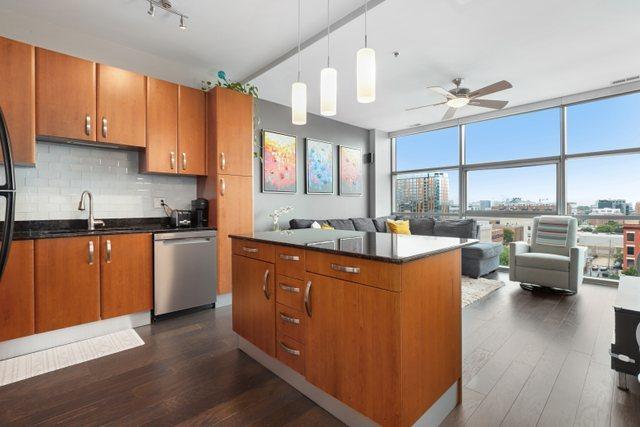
pixel 528 359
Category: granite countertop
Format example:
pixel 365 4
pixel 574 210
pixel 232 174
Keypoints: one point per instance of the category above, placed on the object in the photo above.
pixel 47 229
pixel 387 247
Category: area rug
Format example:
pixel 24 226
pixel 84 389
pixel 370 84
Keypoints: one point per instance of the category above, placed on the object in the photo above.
pixel 38 363
pixel 476 289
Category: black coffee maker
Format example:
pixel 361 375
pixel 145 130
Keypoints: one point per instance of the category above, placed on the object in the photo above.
pixel 200 213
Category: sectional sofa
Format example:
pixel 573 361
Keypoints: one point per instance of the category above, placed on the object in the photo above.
pixel 477 260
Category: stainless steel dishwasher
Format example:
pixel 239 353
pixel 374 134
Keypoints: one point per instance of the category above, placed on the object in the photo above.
pixel 185 270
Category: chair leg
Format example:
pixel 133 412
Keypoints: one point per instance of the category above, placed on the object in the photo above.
pixel 536 288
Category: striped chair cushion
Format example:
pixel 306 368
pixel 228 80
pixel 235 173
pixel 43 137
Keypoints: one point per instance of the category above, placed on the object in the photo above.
pixel 552 231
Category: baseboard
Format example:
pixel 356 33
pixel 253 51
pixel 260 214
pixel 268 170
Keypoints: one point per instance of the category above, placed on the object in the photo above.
pixel 46 340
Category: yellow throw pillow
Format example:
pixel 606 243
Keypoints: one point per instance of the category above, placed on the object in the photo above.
pixel 326 227
pixel 398 227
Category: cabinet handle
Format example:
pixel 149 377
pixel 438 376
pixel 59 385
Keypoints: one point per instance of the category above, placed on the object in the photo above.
pixel 223 162
pixel 108 256
pixel 223 187
pixel 289 257
pixel 291 289
pixel 87 124
pixel 91 252
pixel 307 298
pixel 289 350
pixel 289 319
pixel 184 161
pixel 345 269
pixel 105 128
pixel 265 288
pixel 250 250
pixel 172 158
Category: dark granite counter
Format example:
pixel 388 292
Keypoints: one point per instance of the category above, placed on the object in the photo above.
pixel 47 229
pixel 387 247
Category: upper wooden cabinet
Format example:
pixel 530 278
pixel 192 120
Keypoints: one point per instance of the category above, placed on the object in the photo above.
pixel 17 318
pixel 65 96
pixel 17 98
pixel 230 122
pixel 191 131
pixel 162 127
pixel 121 111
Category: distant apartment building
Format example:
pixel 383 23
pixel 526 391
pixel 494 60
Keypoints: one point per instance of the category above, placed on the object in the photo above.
pixel 485 205
pixel 631 246
pixel 423 193
pixel 606 211
pixel 637 208
pixel 619 204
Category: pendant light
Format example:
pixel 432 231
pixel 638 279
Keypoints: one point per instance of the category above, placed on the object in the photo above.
pixel 366 68
pixel 328 80
pixel 299 89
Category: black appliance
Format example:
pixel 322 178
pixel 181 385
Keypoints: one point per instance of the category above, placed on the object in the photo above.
pixel 181 218
pixel 200 213
pixel 7 191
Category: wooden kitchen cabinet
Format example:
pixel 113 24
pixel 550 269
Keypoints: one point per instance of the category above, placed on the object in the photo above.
pixel 65 96
pixel 254 302
pixel 161 154
pixel 67 282
pixel 191 131
pixel 121 107
pixel 126 274
pixel 17 98
pixel 17 317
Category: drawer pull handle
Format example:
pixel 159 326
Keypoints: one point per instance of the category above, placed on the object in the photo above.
pixel 250 250
pixel 289 319
pixel 91 253
pixel 172 159
pixel 307 298
pixel 223 162
pixel 345 269
pixel 289 257
pixel 265 288
pixel 105 127
pixel 87 124
pixel 290 350
pixel 108 256
pixel 291 289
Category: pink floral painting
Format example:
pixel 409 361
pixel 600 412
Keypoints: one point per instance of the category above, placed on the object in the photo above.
pixel 350 171
pixel 278 163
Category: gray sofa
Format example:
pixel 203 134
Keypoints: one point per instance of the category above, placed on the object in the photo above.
pixel 477 260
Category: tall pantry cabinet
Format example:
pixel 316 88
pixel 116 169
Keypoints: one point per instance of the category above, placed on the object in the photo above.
pixel 229 185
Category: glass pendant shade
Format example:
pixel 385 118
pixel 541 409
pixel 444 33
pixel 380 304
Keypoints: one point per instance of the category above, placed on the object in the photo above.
pixel 366 75
pixel 299 103
pixel 328 91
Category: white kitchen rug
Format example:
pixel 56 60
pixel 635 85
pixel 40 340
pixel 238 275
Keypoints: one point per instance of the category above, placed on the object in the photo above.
pixel 475 289
pixel 38 363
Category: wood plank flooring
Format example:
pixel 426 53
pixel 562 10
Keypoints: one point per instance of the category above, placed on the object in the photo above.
pixel 529 359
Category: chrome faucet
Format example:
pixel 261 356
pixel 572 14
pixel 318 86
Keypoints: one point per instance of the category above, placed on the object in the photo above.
pixel 92 221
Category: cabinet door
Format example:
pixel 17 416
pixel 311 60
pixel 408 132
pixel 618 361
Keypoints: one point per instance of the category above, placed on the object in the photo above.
pixel 162 127
pixel 122 107
pixel 126 278
pixel 231 121
pixel 254 302
pixel 67 282
pixel 191 131
pixel 234 216
pixel 65 96
pixel 17 318
pixel 18 99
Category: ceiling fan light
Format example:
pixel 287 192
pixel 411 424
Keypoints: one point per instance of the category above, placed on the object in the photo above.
pixel 457 102
pixel 328 91
pixel 299 103
pixel 366 75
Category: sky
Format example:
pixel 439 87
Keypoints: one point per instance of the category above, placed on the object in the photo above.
pixel 606 124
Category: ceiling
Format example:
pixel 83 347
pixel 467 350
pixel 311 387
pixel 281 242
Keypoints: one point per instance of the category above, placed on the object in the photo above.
pixel 546 48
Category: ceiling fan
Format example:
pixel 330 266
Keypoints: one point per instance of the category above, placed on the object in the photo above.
pixel 460 96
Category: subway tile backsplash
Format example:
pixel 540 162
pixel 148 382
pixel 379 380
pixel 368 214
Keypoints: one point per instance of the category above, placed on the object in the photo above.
pixel 52 189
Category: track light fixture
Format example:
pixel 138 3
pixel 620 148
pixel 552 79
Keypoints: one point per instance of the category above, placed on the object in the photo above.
pixel 152 9
pixel 167 7
pixel 182 26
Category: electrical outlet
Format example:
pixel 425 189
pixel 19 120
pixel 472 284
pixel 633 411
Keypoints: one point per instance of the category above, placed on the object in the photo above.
pixel 157 202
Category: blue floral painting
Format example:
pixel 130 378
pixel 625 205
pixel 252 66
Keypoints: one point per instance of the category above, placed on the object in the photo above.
pixel 319 155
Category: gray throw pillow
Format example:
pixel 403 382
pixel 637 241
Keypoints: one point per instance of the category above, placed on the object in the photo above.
pixel 422 226
pixel 342 224
pixel 364 224
pixel 295 224
pixel 381 223
pixel 462 228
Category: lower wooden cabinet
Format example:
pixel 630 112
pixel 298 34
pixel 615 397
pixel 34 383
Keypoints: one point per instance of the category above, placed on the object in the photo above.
pixel 67 282
pixel 126 278
pixel 16 293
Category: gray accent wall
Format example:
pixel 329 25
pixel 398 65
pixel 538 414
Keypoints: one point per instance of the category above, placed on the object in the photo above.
pixel 276 117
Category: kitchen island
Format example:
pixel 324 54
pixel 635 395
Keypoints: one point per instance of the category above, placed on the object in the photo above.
pixel 367 325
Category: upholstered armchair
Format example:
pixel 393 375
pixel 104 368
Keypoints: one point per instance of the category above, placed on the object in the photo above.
pixel 553 259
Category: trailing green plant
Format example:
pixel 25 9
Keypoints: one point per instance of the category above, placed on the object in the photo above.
pixel 631 271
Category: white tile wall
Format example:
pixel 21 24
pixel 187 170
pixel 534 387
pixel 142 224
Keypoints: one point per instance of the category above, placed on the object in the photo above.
pixel 52 189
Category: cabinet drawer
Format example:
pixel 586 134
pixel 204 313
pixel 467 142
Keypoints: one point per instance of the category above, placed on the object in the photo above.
pixel 290 292
pixel 290 262
pixel 291 353
pixel 383 275
pixel 255 250
pixel 290 322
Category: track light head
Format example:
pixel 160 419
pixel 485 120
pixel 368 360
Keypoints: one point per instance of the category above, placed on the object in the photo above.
pixel 152 9
pixel 182 26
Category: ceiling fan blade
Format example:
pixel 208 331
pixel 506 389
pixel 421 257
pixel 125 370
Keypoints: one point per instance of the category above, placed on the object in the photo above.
pixel 425 106
pixel 441 91
pixel 449 114
pixel 488 103
pixel 496 87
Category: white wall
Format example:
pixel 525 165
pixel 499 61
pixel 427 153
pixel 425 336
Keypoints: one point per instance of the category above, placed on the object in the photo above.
pixel 380 174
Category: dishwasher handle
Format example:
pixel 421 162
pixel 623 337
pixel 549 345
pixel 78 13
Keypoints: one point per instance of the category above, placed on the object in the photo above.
pixel 187 241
